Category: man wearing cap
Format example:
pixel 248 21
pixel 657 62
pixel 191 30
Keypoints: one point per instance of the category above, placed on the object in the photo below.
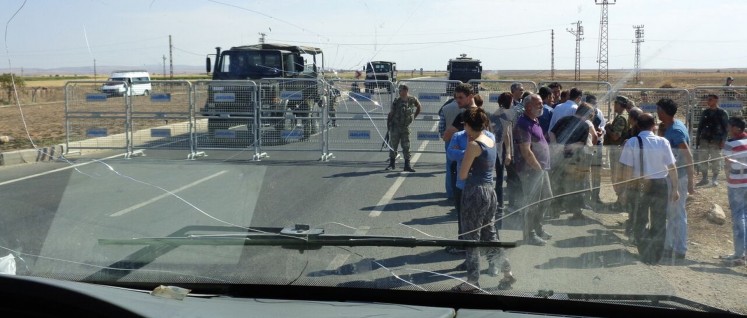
pixel 729 81
pixel 616 133
pixel 405 109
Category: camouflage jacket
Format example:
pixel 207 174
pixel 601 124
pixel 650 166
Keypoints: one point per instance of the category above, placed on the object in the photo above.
pixel 403 111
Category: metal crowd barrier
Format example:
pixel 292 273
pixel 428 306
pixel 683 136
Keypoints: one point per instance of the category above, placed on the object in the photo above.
pixel 732 99
pixel 291 114
pixel 489 90
pixel 225 116
pixel 357 118
pixel 94 119
pixel 274 115
pixel 601 90
pixel 432 94
pixel 646 98
pixel 164 118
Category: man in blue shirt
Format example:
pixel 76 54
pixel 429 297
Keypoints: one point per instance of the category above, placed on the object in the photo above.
pixel 544 120
pixel 675 243
pixel 446 116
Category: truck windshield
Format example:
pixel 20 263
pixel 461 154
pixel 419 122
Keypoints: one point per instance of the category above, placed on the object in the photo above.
pixel 249 64
pixel 465 67
pixel 378 68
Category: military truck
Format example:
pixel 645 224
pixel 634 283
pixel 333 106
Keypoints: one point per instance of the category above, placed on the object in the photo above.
pixel 289 88
pixel 379 74
pixel 463 69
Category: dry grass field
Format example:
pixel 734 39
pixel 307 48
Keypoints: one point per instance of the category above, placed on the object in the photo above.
pixel 42 99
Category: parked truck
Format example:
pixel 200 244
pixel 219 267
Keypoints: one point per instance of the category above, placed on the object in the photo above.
pixel 380 74
pixel 463 69
pixel 289 89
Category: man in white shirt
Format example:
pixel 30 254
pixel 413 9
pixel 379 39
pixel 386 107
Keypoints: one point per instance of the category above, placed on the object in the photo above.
pixel 649 188
pixel 596 162
pixel 566 109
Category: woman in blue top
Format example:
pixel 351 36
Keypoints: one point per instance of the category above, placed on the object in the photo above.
pixel 479 202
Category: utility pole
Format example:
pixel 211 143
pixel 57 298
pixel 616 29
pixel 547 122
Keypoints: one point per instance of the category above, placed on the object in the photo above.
pixel 171 59
pixel 262 37
pixel 94 70
pixel 164 66
pixel 602 55
pixel 578 32
pixel 637 41
pixel 552 55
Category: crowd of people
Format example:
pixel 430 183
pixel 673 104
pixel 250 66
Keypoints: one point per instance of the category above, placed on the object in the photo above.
pixel 550 145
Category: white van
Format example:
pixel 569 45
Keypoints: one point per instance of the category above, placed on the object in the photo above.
pixel 138 81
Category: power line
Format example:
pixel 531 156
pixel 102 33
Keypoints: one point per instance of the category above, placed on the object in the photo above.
pixel 185 51
pixel 269 16
pixel 424 43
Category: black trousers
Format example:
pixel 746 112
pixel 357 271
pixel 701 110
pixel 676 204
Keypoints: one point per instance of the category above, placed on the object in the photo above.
pixel 458 207
pixel 499 172
pixel 650 208
pixel 513 186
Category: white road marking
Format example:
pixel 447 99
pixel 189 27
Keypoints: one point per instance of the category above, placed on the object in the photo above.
pixel 389 194
pixel 340 259
pixel 57 170
pixel 142 204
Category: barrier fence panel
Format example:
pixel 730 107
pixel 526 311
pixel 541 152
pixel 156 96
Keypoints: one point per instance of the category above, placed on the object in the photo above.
pixel 646 98
pixel 489 90
pixel 732 99
pixel 291 114
pixel 225 115
pixel 357 120
pixel 601 90
pixel 163 119
pixel 432 95
pixel 93 119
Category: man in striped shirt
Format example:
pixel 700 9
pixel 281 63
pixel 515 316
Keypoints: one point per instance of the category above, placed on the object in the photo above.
pixel 735 154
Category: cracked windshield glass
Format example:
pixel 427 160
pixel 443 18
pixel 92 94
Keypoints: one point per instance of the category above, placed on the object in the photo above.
pixel 592 148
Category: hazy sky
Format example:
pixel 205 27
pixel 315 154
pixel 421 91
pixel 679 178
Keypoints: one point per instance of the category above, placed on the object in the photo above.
pixel 414 33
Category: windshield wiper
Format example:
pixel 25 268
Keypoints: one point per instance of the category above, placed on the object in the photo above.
pixel 300 237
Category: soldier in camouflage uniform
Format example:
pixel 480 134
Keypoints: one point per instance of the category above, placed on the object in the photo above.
pixel 405 109
pixel 616 135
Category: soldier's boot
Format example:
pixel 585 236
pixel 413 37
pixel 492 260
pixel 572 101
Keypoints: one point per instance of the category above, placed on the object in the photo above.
pixel 391 164
pixel 408 168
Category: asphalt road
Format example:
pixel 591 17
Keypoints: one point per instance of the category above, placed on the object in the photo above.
pixel 56 213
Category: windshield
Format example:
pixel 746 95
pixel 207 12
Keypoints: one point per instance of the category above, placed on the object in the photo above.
pixel 195 178
pixel 465 67
pixel 378 68
pixel 249 64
